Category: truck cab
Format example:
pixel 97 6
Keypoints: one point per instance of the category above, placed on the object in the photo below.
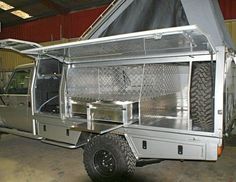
pixel 15 101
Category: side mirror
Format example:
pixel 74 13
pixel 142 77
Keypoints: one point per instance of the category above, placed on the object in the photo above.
pixel 2 91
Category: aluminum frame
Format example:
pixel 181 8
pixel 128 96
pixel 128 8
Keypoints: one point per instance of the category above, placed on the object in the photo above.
pixel 66 57
pixel 18 45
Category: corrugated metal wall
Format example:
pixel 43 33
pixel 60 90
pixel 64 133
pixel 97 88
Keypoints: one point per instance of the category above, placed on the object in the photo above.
pixel 228 8
pixel 9 60
pixel 74 24
pixel 231 26
pixel 36 31
pixel 53 28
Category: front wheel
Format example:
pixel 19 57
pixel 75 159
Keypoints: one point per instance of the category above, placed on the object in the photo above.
pixel 109 158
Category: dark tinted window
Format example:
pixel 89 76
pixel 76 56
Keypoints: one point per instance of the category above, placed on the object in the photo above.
pixel 49 67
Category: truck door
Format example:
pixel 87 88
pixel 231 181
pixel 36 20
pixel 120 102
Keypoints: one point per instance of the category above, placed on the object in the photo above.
pixel 17 112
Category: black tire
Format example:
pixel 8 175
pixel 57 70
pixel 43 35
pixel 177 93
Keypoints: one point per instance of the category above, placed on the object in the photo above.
pixel 109 158
pixel 201 97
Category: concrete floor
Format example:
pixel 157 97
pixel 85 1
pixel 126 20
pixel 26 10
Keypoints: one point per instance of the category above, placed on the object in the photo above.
pixel 26 160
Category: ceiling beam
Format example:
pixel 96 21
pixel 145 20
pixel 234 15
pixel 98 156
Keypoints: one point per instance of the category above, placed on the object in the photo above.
pixel 32 2
pixel 54 6
pixel 20 21
pixel 51 5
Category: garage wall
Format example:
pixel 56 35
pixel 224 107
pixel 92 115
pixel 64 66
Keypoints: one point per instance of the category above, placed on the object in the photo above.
pixel 9 60
pixel 231 26
pixel 53 28
pixel 72 25
pixel 61 28
pixel 228 8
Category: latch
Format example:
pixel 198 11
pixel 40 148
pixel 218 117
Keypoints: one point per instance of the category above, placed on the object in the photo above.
pixel 231 56
pixel 180 149
pixel 144 144
pixel 234 59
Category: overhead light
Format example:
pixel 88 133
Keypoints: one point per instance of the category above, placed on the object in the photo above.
pixel 5 6
pixel 21 14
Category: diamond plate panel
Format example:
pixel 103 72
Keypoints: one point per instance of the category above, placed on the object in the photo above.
pixel 124 83
pixel 83 83
pixel 161 89
pixel 167 105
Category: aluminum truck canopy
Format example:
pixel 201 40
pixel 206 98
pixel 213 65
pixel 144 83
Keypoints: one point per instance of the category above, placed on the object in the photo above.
pixel 187 40
pixel 128 16
pixel 17 45
pixel 207 15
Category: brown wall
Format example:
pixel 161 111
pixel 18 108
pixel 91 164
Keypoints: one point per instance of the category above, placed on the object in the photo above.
pixel 10 59
pixel 231 26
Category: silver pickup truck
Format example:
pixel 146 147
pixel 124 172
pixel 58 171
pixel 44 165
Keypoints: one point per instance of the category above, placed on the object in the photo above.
pixel 160 94
pixel 153 95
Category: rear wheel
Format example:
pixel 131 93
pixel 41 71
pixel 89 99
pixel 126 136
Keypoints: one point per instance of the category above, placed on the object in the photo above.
pixel 109 158
pixel 201 97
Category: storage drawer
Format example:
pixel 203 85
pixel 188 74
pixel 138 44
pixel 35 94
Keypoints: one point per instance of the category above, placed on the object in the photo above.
pixel 119 112
pixel 78 108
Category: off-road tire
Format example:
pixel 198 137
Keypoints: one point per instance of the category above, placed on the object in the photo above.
pixel 118 148
pixel 201 97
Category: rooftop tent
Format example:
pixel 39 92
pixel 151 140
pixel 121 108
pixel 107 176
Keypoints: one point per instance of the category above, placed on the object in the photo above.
pixel 144 15
pixel 140 15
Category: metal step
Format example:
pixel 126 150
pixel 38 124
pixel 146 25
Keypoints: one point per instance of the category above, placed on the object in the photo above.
pixel 20 133
pixel 65 145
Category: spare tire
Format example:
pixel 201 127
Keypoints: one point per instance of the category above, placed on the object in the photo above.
pixel 201 97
